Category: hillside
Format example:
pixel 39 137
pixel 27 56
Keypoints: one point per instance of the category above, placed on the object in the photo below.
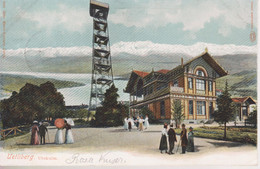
pixel 15 82
pixel 237 63
pixel 240 84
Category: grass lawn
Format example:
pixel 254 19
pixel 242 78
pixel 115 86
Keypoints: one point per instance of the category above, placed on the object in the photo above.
pixel 237 134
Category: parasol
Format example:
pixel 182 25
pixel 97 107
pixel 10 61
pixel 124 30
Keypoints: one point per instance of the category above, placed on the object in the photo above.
pixel 59 123
pixel 70 121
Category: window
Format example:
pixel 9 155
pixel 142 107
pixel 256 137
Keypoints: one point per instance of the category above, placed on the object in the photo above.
pixel 201 108
pixel 190 83
pixel 162 107
pixel 190 107
pixel 211 110
pixel 175 83
pixel 200 84
pixel 200 73
pixel 244 110
pixel 210 86
pixel 162 86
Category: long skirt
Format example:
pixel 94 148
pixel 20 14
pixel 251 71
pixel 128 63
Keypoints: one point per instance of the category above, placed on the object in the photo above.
pixel 125 125
pixel 146 124
pixel 69 137
pixel 129 125
pixel 190 147
pixel 163 143
pixel 35 138
pixel 59 137
pixel 141 126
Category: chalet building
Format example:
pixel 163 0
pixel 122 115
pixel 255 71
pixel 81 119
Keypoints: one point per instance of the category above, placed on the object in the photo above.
pixel 193 83
pixel 245 106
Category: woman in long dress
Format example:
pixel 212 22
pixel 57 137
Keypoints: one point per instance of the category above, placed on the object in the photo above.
pixel 190 147
pixel 125 124
pixel 68 135
pixel 163 143
pixel 59 136
pixel 146 122
pixel 35 134
pixel 129 123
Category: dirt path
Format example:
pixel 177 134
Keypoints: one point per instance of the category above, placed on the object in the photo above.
pixel 138 147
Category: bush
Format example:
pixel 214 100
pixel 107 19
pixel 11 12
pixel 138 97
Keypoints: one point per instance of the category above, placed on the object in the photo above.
pixel 252 118
pixel 145 111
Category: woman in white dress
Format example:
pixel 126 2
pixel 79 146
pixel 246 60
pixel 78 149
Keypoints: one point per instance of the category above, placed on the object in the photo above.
pixel 146 122
pixel 68 135
pixel 59 136
pixel 125 124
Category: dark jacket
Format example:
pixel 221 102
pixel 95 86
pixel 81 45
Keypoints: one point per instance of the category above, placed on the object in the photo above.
pixel 67 126
pixel 184 140
pixel 42 130
pixel 172 135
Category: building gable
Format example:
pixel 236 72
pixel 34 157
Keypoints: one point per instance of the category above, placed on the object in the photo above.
pixel 213 69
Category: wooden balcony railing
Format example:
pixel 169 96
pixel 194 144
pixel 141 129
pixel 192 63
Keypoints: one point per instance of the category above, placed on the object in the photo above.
pixel 177 89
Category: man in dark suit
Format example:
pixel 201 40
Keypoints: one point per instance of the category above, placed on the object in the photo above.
pixel 184 139
pixel 172 138
pixel 42 130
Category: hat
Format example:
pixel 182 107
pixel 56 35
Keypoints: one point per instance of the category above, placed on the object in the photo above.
pixel 191 128
pixel 35 121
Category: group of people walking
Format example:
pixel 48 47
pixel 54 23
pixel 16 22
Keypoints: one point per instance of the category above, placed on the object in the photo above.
pixel 139 122
pixel 186 143
pixel 68 134
pixel 39 130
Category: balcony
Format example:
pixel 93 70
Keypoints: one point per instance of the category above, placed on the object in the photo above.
pixel 201 92
pixel 176 89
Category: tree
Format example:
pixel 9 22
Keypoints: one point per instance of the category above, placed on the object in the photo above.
pixel 225 110
pixel 82 113
pixel 177 114
pixel 32 103
pixel 110 113
pixel 252 118
pixel 146 111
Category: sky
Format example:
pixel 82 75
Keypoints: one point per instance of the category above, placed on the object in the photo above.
pixel 67 23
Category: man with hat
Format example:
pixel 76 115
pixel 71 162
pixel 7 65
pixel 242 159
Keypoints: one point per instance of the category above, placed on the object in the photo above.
pixel 43 131
pixel 172 138
pixel 190 147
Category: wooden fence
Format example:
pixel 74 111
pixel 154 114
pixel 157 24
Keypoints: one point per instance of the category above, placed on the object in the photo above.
pixel 11 131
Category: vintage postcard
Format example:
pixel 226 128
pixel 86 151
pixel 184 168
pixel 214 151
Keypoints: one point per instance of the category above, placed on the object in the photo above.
pixel 128 83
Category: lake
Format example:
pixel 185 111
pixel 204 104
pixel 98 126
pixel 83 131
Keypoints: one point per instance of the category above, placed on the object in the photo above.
pixel 75 95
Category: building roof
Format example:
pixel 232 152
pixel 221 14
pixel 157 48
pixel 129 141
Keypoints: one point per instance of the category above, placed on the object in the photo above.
pixel 164 71
pixel 141 73
pixel 244 99
pixel 211 61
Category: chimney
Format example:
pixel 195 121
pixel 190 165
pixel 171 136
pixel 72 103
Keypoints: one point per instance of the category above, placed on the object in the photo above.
pixel 182 61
